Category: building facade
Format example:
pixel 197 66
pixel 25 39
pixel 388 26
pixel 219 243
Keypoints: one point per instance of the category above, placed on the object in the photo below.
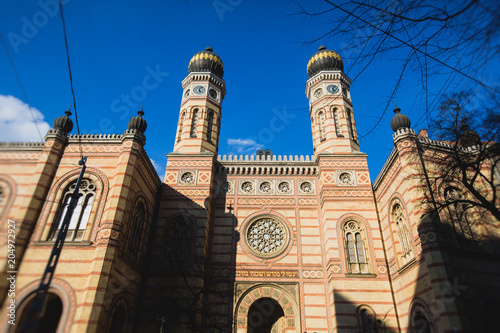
pixel 262 243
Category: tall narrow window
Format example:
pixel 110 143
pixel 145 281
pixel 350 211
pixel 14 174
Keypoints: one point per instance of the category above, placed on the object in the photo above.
pixel 133 246
pixel 351 125
pixel 210 126
pixel 459 218
pixel 337 122
pixel 194 123
pixel 181 125
pixel 355 248
pixel 322 129
pixel 180 241
pixel 403 234
pixel 81 213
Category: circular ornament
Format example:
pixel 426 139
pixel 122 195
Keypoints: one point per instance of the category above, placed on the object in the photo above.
pixel 187 178
pixel 345 178
pixel 333 89
pixel 247 187
pixel 284 187
pixel 212 93
pixel 306 187
pixel 265 187
pixel 266 237
pixel 199 90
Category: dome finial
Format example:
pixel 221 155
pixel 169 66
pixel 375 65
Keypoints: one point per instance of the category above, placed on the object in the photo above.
pixel 321 47
pixel 396 109
pixel 68 112
pixel 209 48
pixel 140 112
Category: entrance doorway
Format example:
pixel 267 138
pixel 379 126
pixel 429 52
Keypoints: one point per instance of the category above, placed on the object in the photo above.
pixel 266 316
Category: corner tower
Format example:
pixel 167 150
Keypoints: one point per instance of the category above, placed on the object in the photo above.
pixel 203 91
pixel 328 91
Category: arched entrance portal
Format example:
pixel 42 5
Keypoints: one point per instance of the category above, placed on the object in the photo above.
pixel 51 316
pixel 267 308
pixel 266 316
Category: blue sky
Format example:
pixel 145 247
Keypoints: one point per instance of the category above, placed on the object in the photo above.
pixel 115 45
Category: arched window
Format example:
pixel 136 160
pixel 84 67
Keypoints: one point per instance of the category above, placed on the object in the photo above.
pixel 181 125
pixel 194 123
pixel 404 238
pixel 337 122
pixel 119 320
pixel 133 246
pixel 366 319
pixel 355 248
pixel 457 212
pixel 180 241
pixel 210 125
pixel 322 128
pixel 81 213
pixel 420 321
pixel 351 125
pixel 50 319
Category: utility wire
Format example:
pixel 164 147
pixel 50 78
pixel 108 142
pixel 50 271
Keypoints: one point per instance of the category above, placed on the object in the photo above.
pixel 70 76
pixel 21 85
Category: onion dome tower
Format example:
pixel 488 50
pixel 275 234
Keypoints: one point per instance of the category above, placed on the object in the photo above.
pixel 200 114
pixel 399 120
pixel 328 91
pixel 324 60
pixel 63 123
pixel 138 122
pixel 207 61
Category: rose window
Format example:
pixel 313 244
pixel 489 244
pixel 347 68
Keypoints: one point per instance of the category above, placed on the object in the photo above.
pixel 266 237
pixel 306 187
pixel 284 187
pixel 187 178
pixel 265 187
pixel 247 187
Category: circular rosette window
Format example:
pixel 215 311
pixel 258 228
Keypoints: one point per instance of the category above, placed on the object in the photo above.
pixel 266 237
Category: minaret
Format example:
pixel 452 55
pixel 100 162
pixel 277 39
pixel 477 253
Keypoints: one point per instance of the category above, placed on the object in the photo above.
pixel 328 91
pixel 203 91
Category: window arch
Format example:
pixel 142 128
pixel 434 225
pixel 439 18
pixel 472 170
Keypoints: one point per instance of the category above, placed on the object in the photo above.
pixel 136 230
pixel 180 241
pixel 81 214
pixel 51 318
pixel 336 121
pixel 210 125
pixel 403 235
pixel 350 123
pixel 366 319
pixel 420 320
pixel 118 319
pixel 322 128
pixel 459 218
pixel 181 125
pixel 194 123
pixel 354 239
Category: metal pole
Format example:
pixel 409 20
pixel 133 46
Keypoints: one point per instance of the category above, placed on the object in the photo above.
pixel 35 310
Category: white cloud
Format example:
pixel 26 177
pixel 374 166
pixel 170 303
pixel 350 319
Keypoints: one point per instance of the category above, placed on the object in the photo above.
pixel 159 169
pixel 16 121
pixel 242 146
